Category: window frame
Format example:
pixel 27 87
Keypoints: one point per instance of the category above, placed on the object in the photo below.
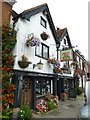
pixel 42 20
pixel 42 91
pixel 42 52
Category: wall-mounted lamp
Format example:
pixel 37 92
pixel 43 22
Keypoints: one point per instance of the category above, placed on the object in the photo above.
pixel 39 65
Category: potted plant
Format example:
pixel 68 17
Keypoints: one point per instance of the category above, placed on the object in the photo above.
pixel 56 65
pixel 56 70
pixel 44 36
pixel 23 63
pixel 25 113
pixel 51 60
pixel 32 41
pixel 74 63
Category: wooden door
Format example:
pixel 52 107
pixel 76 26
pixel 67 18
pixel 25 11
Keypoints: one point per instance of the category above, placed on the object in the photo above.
pixel 26 91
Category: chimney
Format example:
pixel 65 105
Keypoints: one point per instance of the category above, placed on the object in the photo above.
pixel 10 2
pixel 58 28
pixel 6 10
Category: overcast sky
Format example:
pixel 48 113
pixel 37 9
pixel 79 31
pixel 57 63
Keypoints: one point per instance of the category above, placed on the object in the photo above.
pixel 70 14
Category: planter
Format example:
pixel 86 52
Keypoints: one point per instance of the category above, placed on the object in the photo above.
pixel 74 63
pixel 44 36
pixel 52 61
pixel 56 70
pixel 23 64
pixel 32 41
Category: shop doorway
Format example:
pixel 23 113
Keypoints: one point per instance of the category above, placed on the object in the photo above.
pixel 26 91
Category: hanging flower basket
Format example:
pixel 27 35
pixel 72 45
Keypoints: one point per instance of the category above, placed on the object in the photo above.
pixel 44 36
pixel 56 65
pixel 76 72
pixel 32 41
pixel 52 60
pixel 56 70
pixel 74 63
pixel 24 63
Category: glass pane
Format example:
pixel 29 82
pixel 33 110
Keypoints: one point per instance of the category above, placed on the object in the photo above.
pixel 42 87
pixel 38 87
pixel 45 52
pixel 39 50
pixel 43 22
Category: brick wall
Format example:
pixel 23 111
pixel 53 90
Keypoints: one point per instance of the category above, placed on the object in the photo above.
pixel 6 13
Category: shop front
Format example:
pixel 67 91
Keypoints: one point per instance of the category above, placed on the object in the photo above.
pixel 33 86
pixel 66 85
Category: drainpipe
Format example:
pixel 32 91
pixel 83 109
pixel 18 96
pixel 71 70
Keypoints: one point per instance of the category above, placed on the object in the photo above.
pixel 58 45
pixel 57 53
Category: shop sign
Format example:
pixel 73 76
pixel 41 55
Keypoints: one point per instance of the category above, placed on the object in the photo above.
pixel 66 55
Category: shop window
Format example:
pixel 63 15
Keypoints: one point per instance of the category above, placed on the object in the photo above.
pixel 43 87
pixel 65 84
pixel 43 22
pixel 42 51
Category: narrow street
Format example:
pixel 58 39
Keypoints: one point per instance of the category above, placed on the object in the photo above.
pixel 67 109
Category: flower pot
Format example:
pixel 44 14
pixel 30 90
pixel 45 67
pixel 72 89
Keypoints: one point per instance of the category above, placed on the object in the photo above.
pixel 33 42
pixel 44 36
pixel 23 64
pixel 56 70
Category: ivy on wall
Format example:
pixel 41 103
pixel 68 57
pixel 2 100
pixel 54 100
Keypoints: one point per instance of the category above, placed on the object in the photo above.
pixel 8 43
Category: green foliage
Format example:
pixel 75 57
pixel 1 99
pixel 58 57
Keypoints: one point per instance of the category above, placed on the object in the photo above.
pixel 51 105
pixel 24 113
pixel 6 114
pixel 8 43
pixel 8 38
pixel 79 91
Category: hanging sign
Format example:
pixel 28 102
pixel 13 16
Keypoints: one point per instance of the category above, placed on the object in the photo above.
pixel 66 55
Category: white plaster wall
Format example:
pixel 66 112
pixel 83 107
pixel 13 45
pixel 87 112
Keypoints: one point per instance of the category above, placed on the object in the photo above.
pixel 23 28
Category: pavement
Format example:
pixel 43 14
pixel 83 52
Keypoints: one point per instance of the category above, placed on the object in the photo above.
pixel 67 109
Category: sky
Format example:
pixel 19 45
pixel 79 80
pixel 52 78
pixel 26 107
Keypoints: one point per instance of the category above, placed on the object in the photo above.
pixel 70 14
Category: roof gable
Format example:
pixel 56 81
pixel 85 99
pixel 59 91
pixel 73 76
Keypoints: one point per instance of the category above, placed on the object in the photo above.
pixel 41 8
pixel 60 35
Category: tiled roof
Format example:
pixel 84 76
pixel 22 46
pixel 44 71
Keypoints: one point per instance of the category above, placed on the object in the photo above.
pixel 14 14
pixel 60 32
pixel 31 9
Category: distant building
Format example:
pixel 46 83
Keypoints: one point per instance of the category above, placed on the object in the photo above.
pixel 83 66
